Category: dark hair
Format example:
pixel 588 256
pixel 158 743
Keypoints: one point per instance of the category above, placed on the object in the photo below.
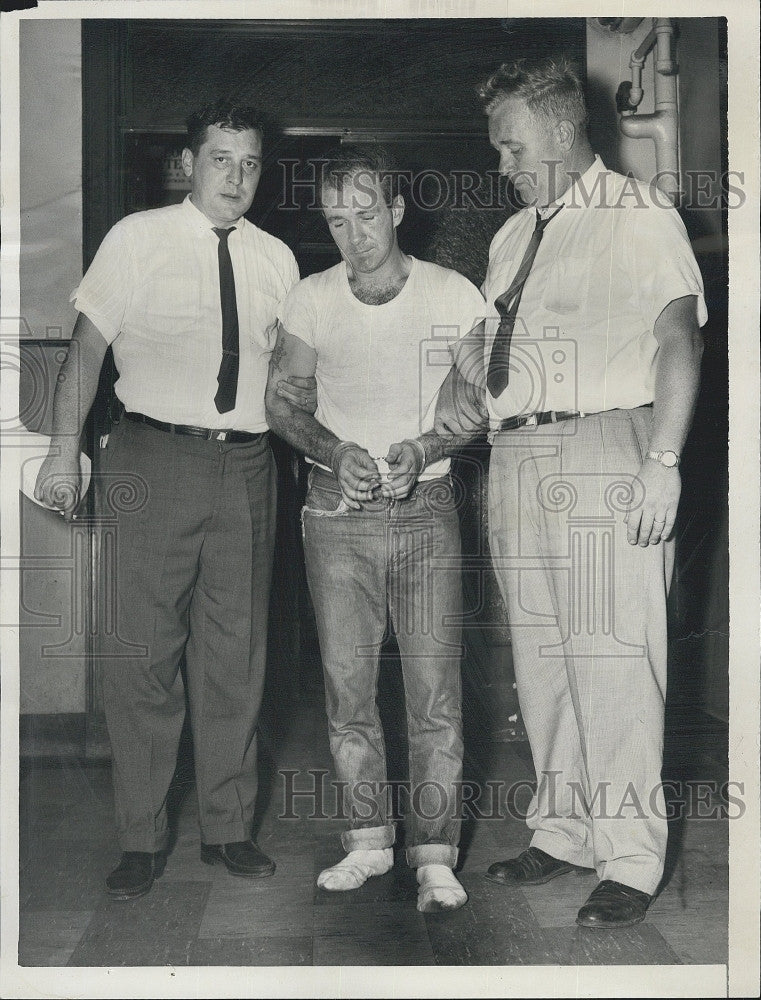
pixel 352 159
pixel 223 114
pixel 550 86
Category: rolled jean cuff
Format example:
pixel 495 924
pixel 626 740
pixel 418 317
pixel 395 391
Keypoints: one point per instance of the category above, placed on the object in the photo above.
pixel 431 854
pixel 368 838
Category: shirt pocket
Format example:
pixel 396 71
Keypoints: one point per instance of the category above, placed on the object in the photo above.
pixel 567 286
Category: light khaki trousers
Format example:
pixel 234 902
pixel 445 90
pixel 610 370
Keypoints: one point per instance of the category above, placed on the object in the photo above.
pixel 587 614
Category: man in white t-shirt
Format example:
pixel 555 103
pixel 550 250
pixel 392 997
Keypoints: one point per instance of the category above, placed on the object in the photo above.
pixel 186 295
pixel 375 331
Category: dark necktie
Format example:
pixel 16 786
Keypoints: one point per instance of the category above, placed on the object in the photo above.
pixel 507 305
pixel 228 369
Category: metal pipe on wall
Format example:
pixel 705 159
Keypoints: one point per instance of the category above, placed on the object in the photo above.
pixel 662 125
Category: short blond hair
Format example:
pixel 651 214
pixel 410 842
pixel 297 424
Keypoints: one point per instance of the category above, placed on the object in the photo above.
pixel 550 86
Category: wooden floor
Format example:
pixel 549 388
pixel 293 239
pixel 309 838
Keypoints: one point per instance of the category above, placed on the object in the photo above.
pixel 200 916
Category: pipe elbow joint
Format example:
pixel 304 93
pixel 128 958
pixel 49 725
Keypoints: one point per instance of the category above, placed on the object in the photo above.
pixel 637 126
pixel 660 126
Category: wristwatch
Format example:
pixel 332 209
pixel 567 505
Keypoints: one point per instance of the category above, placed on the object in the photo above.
pixel 669 459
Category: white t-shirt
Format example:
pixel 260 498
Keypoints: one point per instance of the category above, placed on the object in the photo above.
pixel 153 292
pixel 380 367
pixel 609 263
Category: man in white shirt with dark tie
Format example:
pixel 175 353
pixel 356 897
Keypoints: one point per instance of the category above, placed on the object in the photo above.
pixel 187 297
pixel 586 374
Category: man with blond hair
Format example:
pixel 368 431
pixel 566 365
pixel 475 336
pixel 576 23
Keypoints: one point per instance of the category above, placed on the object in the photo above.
pixel 586 372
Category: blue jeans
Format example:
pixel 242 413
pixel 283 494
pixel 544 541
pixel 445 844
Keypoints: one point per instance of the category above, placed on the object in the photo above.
pixel 399 559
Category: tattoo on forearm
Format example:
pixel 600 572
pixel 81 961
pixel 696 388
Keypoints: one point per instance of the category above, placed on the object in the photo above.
pixel 294 425
pixel 278 353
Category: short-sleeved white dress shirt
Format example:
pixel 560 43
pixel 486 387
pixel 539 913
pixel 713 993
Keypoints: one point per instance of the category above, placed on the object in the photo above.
pixel 609 263
pixel 153 292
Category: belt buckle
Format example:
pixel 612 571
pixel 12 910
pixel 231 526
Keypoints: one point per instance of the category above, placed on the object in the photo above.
pixel 531 420
pixel 220 436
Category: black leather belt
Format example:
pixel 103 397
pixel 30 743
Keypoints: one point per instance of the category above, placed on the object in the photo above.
pixel 534 419
pixel 234 437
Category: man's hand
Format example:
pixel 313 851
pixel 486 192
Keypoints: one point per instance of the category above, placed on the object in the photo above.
pixel 356 472
pixel 653 520
pixel 300 392
pixel 677 376
pixel 406 460
pixel 461 412
pixel 59 483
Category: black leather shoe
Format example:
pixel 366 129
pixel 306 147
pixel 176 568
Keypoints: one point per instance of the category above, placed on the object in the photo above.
pixel 241 858
pixel 613 904
pixel 532 867
pixel 134 874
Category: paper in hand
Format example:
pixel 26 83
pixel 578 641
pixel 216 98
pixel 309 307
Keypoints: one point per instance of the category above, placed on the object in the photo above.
pixel 34 451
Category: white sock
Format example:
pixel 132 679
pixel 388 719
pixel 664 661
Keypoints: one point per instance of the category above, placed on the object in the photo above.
pixel 355 869
pixel 439 889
